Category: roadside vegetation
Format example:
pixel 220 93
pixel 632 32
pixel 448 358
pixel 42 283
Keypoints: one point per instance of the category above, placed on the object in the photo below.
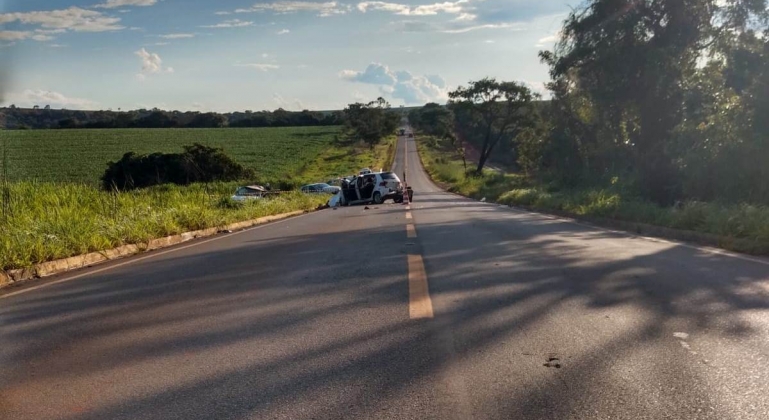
pixel 48 221
pixel 54 205
pixel 739 227
pixel 657 114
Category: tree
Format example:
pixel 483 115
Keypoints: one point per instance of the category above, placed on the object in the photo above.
pixel 432 119
pixel 631 61
pixel 208 120
pixel 437 120
pixel 371 122
pixel 494 110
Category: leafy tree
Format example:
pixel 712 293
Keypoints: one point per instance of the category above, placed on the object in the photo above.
pixel 208 120
pixel 495 111
pixel 156 119
pixel 371 122
pixel 631 61
pixel 432 119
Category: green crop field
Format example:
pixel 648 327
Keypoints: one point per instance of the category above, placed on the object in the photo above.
pixel 81 156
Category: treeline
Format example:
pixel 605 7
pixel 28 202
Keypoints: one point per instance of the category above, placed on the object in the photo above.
pixel 19 118
pixel 668 99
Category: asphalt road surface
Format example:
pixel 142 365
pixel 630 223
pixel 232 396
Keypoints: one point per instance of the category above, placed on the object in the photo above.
pixel 447 309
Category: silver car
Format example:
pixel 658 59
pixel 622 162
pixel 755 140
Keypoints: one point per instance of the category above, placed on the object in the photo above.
pixel 319 189
pixel 252 192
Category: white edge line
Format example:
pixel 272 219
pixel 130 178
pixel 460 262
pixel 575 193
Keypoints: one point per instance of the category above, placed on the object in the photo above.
pixel 131 260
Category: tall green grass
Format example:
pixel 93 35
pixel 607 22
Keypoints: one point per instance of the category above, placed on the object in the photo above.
pixel 50 221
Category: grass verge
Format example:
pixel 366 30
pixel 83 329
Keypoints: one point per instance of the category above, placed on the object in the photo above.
pixel 347 159
pixel 49 221
pixel 739 227
pixel 44 221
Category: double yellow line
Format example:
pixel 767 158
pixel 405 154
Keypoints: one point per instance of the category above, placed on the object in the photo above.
pixel 420 304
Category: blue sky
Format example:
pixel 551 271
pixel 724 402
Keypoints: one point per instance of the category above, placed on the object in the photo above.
pixel 231 55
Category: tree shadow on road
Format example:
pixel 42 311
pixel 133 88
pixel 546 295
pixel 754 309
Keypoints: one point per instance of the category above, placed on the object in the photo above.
pixel 316 326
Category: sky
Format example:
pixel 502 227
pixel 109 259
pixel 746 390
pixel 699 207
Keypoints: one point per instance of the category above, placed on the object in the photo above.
pixel 236 55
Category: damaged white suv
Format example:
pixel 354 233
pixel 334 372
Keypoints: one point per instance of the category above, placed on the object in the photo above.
pixel 369 188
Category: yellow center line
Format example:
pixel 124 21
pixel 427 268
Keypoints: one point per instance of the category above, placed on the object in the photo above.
pixel 411 231
pixel 420 304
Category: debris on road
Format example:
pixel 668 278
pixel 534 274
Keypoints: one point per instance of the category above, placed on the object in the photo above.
pixel 553 361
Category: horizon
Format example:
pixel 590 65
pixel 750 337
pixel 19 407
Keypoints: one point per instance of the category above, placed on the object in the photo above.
pixel 232 55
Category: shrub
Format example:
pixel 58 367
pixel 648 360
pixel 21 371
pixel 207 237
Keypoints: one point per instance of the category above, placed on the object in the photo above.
pixel 198 163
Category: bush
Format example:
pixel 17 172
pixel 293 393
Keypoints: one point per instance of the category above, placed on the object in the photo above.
pixel 197 163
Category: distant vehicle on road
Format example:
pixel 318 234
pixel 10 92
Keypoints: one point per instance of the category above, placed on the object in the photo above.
pixel 252 192
pixel 319 189
pixel 411 135
pixel 402 132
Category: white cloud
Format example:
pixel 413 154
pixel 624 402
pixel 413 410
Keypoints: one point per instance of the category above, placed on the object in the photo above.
pixel 283 32
pixel 375 74
pixel 176 36
pixel 114 4
pixel 14 35
pixel 72 19
pixel 39 35
pixel 401 85
pixel 548 41
pixel 288 104
pixel 465 29
pixel 489 41
pixel 223 13
pixel 234 23
pixel 459 7
pixel 58 45
pixel 285 7
pixel 260 66
pixel 151 64
pixel 538 87
pixel 40 97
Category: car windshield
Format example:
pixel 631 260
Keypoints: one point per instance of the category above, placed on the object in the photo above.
pixel 389 176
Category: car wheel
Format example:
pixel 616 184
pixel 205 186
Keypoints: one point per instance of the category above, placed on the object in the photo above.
pixel 398 199
pixel 378 198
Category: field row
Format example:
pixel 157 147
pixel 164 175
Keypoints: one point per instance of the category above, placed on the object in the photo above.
pixel 81 156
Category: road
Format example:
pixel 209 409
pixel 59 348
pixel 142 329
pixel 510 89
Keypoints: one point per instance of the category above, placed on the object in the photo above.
pixel 447 309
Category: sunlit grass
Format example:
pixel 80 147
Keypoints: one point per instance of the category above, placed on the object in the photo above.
pixel 50 221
